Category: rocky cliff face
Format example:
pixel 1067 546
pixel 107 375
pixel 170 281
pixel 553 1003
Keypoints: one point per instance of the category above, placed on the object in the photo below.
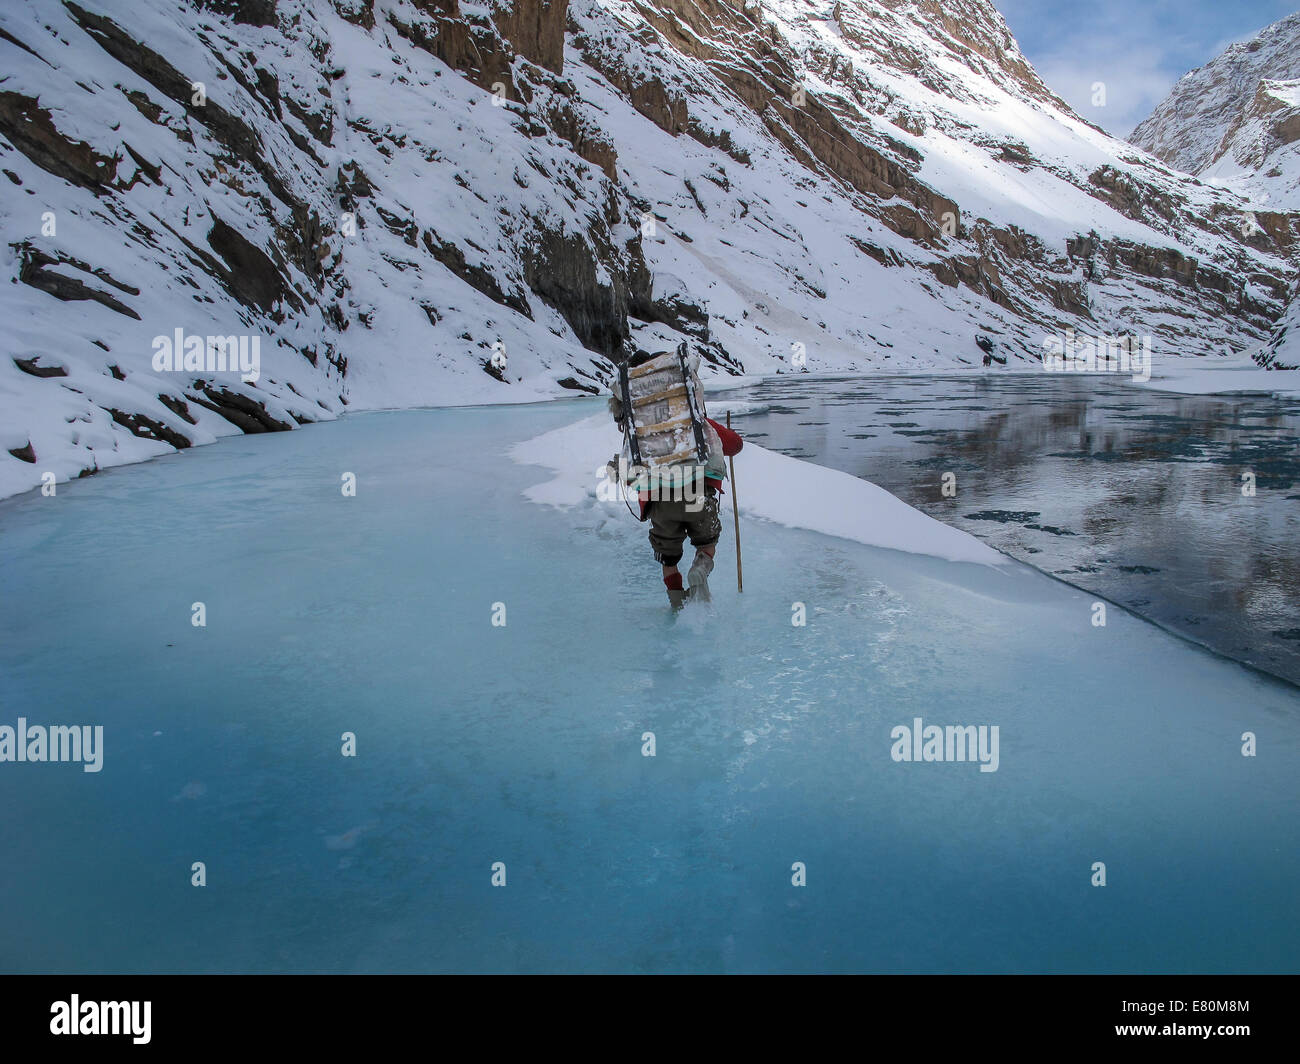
pixel 403 202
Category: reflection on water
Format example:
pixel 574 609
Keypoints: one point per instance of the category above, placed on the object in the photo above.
pixel 1132 494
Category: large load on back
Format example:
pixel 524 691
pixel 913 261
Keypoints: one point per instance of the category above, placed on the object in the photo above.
pixel 664 407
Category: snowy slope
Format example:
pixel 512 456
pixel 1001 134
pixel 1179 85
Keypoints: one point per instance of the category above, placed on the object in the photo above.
pixel 1260 154
pixel 1283 348
pixel 416 202
pixel 904 127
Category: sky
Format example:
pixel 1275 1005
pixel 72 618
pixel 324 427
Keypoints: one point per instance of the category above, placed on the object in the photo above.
pixel 1136 48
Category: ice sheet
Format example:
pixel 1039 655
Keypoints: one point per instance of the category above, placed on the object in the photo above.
pixel 524 743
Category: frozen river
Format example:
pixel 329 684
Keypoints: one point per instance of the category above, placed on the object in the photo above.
pixel 521 746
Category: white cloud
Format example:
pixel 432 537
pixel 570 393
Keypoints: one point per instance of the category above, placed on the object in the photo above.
pixel 1131 87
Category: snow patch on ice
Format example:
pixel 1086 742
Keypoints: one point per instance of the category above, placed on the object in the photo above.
pixel 1224 380
pixel 773 486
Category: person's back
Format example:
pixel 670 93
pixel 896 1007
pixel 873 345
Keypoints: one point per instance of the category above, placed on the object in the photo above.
pixel 680 500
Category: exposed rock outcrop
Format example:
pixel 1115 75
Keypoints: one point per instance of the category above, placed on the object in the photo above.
pixel 535 28
pixel 31 129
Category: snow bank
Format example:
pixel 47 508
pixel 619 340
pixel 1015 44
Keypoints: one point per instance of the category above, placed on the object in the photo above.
pixel 1223 380
pixel 772 486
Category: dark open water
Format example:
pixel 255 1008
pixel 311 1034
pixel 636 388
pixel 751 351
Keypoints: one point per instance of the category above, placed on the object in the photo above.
pixel 1133 494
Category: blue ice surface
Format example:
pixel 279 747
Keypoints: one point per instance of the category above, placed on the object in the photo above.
pixel 523 743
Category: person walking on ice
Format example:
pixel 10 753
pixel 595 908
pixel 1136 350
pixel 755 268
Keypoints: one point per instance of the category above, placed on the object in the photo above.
pixel 677 457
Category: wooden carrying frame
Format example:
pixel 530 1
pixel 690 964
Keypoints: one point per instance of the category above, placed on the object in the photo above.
pixel 667 411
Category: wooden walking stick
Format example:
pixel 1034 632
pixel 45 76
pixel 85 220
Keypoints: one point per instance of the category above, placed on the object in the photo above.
pixel 735 511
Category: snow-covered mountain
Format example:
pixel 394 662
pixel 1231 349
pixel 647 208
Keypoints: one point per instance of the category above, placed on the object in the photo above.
pixel 406 202
pixel 1188 128
pixel 1236 122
